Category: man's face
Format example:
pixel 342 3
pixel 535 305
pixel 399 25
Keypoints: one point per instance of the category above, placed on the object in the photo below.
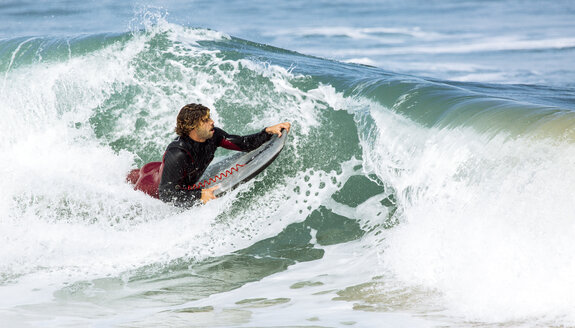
pixel 205 128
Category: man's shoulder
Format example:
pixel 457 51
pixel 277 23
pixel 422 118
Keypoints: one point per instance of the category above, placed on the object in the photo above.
pixel 177 143
pixel 179 146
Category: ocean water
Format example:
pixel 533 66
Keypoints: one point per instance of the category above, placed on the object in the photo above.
pixel 426 182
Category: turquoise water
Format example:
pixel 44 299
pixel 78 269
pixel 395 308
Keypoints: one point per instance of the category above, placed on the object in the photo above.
pixel 426 181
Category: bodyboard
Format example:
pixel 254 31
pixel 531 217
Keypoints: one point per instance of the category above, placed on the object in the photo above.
pixel 230 171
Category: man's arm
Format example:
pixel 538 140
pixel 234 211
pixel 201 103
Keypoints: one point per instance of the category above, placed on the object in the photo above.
pixel 244 143
pixel 252 141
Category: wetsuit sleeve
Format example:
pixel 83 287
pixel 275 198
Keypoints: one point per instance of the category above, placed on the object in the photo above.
pixel 244 143
pixel 172 188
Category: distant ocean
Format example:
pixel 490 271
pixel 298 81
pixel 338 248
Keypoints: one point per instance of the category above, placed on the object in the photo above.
pixel 427 180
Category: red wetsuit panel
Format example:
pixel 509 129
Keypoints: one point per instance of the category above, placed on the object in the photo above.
pixel 229 145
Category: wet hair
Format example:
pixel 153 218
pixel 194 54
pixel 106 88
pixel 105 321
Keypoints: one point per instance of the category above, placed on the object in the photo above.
pixel 189 117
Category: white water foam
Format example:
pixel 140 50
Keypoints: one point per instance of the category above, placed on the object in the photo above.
pixel 486 222
pixel 324 292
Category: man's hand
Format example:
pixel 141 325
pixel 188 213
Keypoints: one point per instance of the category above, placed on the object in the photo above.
pixel 208 194
pixel 277 129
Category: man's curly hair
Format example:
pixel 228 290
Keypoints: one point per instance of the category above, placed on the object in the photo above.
pixel 189 118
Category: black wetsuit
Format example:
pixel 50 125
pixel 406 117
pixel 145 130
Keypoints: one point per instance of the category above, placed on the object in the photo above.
pixel 186 160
